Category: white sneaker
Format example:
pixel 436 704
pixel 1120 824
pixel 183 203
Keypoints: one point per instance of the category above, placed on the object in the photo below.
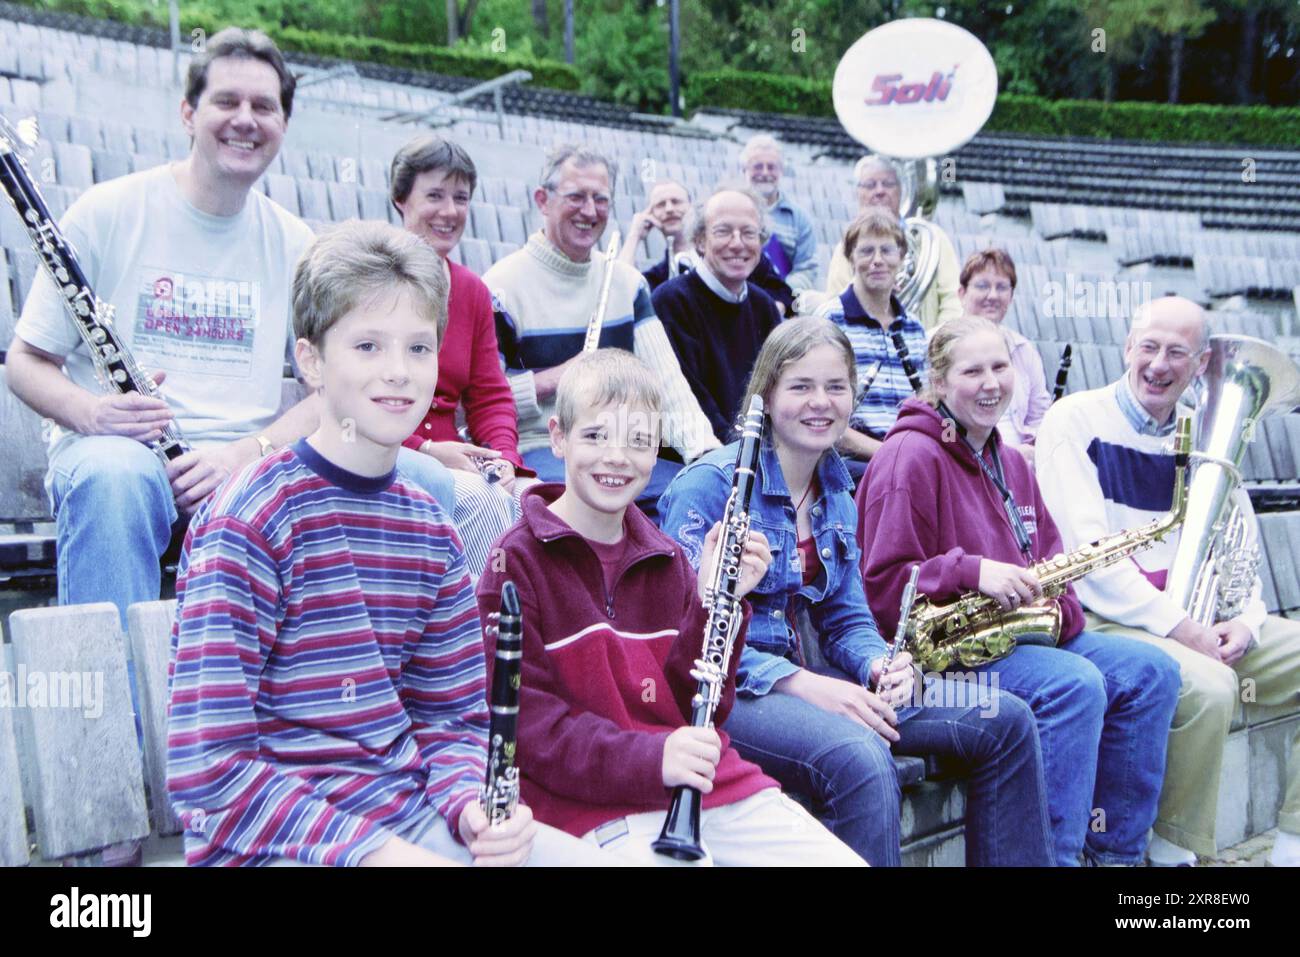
pixel 1286 850
pixel 1162 853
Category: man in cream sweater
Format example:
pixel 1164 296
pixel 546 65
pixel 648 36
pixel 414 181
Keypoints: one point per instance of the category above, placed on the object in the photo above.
pixel 1103 467
pixel 544 295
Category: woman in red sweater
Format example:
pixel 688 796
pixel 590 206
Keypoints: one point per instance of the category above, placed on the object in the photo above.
pixel 431 182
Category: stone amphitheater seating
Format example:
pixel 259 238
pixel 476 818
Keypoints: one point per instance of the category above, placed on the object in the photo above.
pixel 106 97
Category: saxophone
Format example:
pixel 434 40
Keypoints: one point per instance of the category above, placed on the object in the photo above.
pixel 974 630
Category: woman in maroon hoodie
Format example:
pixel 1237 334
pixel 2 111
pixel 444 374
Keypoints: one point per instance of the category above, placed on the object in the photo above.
pixel 942 494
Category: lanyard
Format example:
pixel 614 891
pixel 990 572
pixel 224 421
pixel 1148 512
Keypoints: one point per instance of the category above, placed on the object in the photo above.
pixel 998 477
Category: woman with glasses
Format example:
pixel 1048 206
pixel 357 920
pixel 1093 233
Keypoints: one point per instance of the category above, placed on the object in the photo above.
pixel 942 494
pixel 988 282
pixel 869 312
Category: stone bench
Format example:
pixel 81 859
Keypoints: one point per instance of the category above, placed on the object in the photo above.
pixel 81 771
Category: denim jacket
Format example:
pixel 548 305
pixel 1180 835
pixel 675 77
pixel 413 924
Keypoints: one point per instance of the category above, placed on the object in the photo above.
pixel 835 600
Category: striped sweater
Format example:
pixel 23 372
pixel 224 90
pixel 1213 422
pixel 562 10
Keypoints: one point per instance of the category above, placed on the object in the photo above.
pixel 543 300
pixel 873 348
pixel 327 674
pixel 1104 466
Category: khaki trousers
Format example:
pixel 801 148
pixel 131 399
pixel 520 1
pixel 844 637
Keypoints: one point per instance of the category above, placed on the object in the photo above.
pixel 1268 675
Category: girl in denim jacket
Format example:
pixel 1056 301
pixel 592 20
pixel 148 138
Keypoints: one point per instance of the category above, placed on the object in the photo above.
pixel 825 732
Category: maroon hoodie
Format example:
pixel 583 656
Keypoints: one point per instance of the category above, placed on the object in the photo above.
pixel 927 501
pixel 606 673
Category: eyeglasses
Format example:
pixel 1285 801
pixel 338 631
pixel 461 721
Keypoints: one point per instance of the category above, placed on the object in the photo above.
pixel 983 286
pixel 871 184
pixel 747 233
pixel 1178 354
pixel 887 251
pixel 579 200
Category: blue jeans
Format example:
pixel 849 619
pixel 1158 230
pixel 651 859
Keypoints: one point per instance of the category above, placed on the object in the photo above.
pixel 849 772
pixel 1103 706
pixel 114 512
pixel 551 469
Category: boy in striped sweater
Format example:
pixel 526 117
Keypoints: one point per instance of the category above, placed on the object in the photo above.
pixel 327 676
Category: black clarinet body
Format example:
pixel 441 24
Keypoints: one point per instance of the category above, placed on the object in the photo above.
pixel 93 318
pixel 1062 372
pixel 501 788
pixel 680 837
pixel 905 357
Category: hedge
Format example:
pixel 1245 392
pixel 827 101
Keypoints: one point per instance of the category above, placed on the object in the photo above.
pixel 1182 123
pixel 412 56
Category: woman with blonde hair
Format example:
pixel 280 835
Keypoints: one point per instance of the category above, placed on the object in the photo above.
pixel 942 495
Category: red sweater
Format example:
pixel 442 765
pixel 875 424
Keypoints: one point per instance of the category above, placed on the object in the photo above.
pixel 606 677
pixel 469 369
pixel 926 500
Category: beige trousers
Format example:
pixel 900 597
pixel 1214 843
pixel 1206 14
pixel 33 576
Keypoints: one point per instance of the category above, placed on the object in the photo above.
pixel 1268 675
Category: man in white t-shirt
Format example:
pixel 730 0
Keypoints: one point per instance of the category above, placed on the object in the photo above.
pixel 198 266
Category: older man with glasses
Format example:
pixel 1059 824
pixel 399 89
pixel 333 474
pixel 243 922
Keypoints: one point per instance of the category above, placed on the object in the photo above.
pixel 716 316
pixel 545 293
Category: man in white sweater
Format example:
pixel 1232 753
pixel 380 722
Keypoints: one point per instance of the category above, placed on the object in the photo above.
pixel 1104 466
pixel 544 295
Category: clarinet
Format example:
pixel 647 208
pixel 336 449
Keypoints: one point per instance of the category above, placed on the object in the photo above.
pixel 115 367
pixel 501 788
pixel 680 837
pixel 906 359
pixel 1062 373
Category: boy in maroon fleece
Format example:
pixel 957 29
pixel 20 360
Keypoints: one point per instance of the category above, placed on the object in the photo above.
pixel 613 623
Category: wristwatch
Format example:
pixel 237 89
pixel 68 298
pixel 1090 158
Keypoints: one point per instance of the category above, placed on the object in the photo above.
pixel 265 445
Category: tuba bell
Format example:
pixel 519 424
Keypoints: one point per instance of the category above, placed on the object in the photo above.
pixel 1214 569
pixel 910 91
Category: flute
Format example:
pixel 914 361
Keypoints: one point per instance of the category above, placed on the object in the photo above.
pixel 900 633
pixel 598 317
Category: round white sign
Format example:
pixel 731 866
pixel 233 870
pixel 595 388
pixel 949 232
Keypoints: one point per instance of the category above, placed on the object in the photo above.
pixel 915 88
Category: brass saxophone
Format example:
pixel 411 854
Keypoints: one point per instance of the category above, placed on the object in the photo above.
pixel 974 629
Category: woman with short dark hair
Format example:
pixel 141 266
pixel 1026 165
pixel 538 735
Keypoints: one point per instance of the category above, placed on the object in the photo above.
pixel 431 182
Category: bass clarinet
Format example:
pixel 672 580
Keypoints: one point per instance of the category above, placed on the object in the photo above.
pixel 680 837
pixel 114 365
pixel 501 788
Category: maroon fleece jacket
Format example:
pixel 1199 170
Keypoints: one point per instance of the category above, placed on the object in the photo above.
pixel 606 676
pixel 927 501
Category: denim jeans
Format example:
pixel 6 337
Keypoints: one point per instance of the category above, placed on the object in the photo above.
pixel 551 469
pixel 114 512
pixel 1103 707
pixel 849 772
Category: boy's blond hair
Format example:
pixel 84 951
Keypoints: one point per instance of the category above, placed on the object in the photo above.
pixel 603 377
pixel 356 260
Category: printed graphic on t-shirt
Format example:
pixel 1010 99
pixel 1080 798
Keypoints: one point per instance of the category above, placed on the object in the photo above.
pixel 1029 516
pixel 186 322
